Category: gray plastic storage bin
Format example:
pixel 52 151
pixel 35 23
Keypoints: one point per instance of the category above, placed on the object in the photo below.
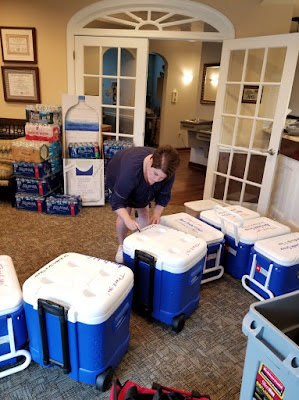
pixel 271 369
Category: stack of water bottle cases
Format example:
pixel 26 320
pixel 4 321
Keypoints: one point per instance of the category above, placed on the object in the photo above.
pixel 37 161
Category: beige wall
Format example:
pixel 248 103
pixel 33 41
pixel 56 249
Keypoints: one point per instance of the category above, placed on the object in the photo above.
pixel 50 18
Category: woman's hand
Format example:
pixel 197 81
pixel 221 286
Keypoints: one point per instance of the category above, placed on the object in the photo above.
pixel 155 219
pixel 131 224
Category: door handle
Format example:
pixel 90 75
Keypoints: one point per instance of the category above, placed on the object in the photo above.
pixel 271 152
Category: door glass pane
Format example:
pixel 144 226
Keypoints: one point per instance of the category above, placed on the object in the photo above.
pixel 262 135
pixel 91 86
pixel 234 190
pixel 109 92
pixel 219 187
pixel 127 92
pixel 254 65
pixel 110 61
pixel 256 168
pixel 126 121
pixel 251 194
pixel 268 103
pixel 243 134
pixel 238 165
pixel 91 60
pixel 231 99
pixel 128 62
pixel 223 161
pixel 249 98
pixel 275 63
pixel 228 125
pixel 109 117
pixel 236 65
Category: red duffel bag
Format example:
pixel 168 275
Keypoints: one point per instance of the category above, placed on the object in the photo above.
pixel 132 391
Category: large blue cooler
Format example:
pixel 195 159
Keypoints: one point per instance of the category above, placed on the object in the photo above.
pixel 215 241
pixel 13 332
pixel 274 267
pixel 77 311
pixel 168 266
pixel 219 217
pixel 271 368
pixel 240 241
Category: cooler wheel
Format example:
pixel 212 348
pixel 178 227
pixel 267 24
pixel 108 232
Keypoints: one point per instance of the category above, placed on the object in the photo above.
pixel 178 323
pixel 104 379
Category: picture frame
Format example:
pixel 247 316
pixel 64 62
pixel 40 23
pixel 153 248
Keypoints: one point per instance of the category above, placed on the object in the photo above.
pixel 18 44
pixel 250 93
pixel 209 85
pixel 21 84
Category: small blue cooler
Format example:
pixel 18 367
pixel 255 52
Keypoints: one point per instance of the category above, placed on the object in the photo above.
pixel 168 266
pixel 215 241
pixel 271 368
pixel 240 240
pixel 274 267
pixel 13 332
pixel 77 311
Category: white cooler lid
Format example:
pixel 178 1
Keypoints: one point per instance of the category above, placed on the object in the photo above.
pixel 210 216
pixel 175 251
pixel 186 223
pixel 283 250
pixel 10 291
pixel 202 205
pixel 258 229
pixel 89 287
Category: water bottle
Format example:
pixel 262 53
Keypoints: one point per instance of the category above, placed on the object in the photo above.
pixel 81 117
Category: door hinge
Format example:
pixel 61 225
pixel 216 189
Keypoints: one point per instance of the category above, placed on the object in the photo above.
pixel 74 55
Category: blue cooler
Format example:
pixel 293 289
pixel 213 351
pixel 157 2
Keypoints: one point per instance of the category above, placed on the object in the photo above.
pixel 274 267
pixel 168 266
pixel 271 368
pixel 13 332
pixel 215 241
pixel 77 311
pixel 219 216
pixel 195 208
pixel 240 241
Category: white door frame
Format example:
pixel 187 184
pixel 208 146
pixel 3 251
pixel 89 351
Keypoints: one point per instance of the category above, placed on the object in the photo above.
pixel 192 10
pixel 291 42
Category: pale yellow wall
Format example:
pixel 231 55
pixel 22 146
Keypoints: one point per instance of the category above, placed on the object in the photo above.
pixel 180 57
pixel 50 18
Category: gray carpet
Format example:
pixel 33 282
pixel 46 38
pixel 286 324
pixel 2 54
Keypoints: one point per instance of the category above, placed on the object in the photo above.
pixel 207 356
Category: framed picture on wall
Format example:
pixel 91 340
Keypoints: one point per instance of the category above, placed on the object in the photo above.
pixel 250 93
pixel 18 44
pixel 21 84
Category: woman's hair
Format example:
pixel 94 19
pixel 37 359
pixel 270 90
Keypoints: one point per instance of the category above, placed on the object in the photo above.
pixel 167 159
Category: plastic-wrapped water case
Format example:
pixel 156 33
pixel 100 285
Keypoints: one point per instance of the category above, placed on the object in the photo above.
pixel 13 331
pixel 35 151
pixel 215 241
pixel 30 202
pixel 78 312
pixel 84 150
pixel 42 186
pixel 274 267
pixel 63 204
pixel 37 170
pixel 271 368
pixel 168 267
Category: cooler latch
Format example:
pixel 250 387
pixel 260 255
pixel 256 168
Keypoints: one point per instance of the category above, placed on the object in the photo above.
pixel 49 307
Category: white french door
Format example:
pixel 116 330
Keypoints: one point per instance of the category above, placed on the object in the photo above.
pixel 115 69
pixel 255 82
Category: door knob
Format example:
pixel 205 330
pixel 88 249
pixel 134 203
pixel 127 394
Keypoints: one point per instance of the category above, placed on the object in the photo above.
pixel 271 152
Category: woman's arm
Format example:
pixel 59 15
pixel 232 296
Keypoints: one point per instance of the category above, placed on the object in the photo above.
pixel 128 221
pixel 155 219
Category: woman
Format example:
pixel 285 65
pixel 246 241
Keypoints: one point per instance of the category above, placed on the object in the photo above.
pixel 136 176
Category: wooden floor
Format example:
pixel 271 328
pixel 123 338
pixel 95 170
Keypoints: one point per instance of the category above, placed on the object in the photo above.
pixel 189 181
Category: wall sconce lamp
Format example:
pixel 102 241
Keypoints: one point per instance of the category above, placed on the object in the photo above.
pixel 187 77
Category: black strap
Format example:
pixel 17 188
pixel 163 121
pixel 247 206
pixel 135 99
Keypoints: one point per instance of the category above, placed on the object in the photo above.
pixel 147 307
pixel 47 306
pixel 193 395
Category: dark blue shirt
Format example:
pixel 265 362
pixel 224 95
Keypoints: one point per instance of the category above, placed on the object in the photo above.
pixel 124 177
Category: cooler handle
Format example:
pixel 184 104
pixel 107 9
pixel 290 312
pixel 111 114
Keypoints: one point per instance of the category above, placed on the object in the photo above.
pixel 236 225
pixel 47 306
pixel 147 308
